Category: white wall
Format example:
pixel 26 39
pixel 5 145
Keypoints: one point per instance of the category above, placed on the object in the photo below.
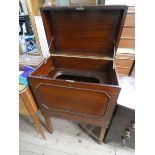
pixel 42 36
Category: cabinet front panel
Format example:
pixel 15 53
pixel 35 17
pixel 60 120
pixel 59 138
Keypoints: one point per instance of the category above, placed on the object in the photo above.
pixel 73 100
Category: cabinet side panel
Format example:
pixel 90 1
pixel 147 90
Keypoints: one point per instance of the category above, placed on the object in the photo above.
pixel 44 68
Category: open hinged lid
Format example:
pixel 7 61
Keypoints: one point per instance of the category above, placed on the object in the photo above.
pixel 88 30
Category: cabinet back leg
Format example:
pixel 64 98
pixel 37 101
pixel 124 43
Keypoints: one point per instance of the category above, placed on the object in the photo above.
pixel 48 122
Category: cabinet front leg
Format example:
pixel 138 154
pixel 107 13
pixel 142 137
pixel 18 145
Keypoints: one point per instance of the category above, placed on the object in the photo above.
pixel 48 122
pixel 102 134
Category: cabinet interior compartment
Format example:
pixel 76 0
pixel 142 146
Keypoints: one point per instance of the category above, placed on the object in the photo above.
pixel 77 77
pixel 75 69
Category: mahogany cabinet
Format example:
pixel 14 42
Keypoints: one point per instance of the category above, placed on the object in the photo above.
pixel 78 81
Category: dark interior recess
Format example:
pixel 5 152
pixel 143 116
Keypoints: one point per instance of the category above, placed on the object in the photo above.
pixel 78 78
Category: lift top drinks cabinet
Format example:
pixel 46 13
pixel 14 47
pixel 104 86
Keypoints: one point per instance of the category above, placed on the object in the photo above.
pixel 78 81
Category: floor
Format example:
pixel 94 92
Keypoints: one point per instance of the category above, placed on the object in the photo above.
pixel 67 139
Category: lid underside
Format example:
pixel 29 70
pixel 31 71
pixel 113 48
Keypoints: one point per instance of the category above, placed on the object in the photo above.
pixel 94 29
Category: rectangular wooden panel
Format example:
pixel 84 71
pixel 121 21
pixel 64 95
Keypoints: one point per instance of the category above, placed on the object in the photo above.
pixel 83 64
pixel 72 99
pixel 123 71
pixel 126 43
pixel 130 19
pixel 124 63
pixel 128 32
pixel 90 30
pixel 125 55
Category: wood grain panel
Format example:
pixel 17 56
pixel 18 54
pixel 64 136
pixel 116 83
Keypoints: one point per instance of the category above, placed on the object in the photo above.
pixel 83 64
pixel 123 71
pixel 88 30
pixel 124 63
pixel 126 43
pixel 130 19
pixel 64 98
pixel 128 32
pixel 125 56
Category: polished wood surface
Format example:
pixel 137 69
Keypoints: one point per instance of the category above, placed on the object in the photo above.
pixel 124 62
pixel 50 96
pixel 82 54
pixel 128 32
pixel 123 71
pixel 48 122
pixel 130 19
pixel 91 30
pixel 70 102
pixel 127 43
pixel 82 64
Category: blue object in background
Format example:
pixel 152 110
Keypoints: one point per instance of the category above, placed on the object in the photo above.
pixel 27 70
pixel 23 80
pixel 23 77
pixel 29 45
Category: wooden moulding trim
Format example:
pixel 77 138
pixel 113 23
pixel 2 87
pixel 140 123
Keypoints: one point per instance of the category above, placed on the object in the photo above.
pixel 50 79
pixel 124 58
pixel 80 56
pixel 72 87
pixel 102 123
pixel 129 38
pixel 123 67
